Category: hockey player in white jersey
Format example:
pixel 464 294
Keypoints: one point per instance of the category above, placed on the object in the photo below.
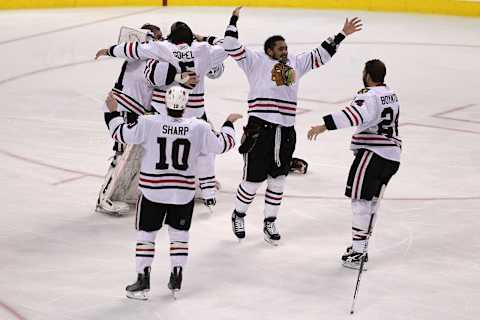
pixel 133 93
pixel 202 58
pixel 172 145
pixel 377 147
pixel 269 137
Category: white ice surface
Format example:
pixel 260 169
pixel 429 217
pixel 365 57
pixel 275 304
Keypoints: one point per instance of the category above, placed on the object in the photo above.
pixel 60 260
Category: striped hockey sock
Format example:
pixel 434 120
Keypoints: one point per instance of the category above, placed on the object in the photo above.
pixel 178 247
pixel 145 250
pixel 245 194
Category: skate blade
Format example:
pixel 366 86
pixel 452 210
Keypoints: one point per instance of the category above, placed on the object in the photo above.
pixel 272 242
pixel 353 265
pixel 138 295
pixel 210 209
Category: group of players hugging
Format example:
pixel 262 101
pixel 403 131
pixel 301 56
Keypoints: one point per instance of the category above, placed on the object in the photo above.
pixel 165 147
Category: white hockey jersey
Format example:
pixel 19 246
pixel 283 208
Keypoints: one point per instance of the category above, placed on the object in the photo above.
pixel 266 100
pixel 132 91
pixel 375 112
pixel 172 147
pixel 199 57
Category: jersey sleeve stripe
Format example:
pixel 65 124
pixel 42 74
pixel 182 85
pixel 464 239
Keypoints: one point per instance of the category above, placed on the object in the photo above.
pixel 358 113
pixel 348 117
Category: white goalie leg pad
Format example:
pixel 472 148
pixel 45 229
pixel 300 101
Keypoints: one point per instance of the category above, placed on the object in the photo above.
pixel 120 180
pixel 362 210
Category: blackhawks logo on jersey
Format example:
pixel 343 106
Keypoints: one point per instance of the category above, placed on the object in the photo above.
pixel 359 102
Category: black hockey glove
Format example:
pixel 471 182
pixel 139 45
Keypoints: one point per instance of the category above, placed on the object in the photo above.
pixel 298 166
pixel 250 136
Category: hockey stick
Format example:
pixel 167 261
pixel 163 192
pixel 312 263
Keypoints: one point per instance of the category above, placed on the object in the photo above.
pixel 364 254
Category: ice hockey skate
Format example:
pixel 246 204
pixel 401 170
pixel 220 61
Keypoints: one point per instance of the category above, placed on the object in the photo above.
pixel 270 231
pixel 175 282
pixel 139 289
pixel 352 259
pixel 238 224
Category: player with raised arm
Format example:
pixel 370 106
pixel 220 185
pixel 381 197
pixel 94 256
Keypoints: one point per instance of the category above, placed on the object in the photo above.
pixel 203 59
pixel 133 93
pixel 269 137
pixel 376 145
pixel 172 145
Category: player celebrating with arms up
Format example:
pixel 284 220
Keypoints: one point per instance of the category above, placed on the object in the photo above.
pixel 269 137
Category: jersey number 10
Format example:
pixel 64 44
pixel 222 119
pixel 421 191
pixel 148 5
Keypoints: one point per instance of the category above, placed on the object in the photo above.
pixel 179 163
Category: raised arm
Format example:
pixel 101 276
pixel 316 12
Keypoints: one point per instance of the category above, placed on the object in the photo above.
pixel 322 54
pixel 244 57
pixel 225 140
pixel 157 50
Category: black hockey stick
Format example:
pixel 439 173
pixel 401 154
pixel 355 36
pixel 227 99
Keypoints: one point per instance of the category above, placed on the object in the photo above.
pixel 364 254
pixel 362 262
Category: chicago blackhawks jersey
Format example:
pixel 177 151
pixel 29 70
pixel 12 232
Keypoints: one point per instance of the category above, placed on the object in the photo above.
pixel 199 58
pixel 375 112
pixel 172 147
pixel 267 100
pixel 133 91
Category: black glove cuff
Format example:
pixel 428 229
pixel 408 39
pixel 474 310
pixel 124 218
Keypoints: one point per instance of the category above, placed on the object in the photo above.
pixel 233 20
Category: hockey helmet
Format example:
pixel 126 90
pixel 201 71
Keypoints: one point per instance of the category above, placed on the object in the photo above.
pixel 176 98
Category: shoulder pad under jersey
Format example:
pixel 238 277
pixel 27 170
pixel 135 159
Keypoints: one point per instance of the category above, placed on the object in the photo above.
pixel 364 90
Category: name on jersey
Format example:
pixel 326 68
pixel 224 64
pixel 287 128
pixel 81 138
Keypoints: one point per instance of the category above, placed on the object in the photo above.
pixel 183 55
pixel 181 131
pixel 389 99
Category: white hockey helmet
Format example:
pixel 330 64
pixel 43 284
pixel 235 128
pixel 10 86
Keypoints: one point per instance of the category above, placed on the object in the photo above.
pixel 176 98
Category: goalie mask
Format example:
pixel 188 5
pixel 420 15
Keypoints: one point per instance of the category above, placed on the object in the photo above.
pixel 216 71
pixel 176 98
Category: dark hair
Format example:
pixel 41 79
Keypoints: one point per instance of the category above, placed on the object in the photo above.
pixel 270 42
pixel 150 27
pixel 175 113
pixel 376 69
pixel 180 32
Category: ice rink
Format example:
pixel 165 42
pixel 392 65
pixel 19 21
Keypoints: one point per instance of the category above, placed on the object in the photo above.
pixel 61 260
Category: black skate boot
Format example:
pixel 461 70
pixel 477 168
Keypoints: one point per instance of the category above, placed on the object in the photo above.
pixel 139 289
pixel 175 283
pixel 238 224
pixel 352 259
pixel 270 230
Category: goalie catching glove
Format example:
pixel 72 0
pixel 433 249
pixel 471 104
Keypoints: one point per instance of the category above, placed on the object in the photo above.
pixel 283 74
